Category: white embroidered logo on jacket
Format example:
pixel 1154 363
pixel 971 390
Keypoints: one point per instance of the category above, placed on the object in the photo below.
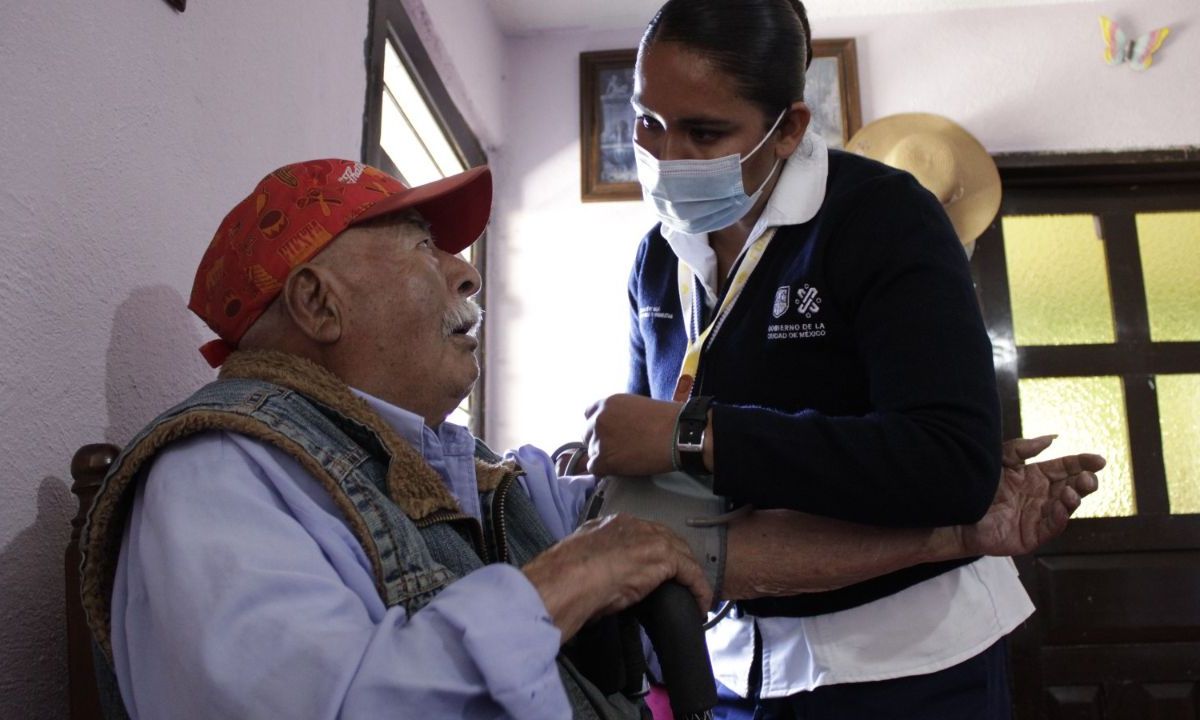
pixel 808 301
pixel 781 301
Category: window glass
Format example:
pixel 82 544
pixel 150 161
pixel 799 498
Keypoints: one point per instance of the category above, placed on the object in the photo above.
pixel 1058 280
pixel 412 137
pixel 402 145
pixel 1169 244
pixel 462 413
pixel 1088 415
pixel 1179 419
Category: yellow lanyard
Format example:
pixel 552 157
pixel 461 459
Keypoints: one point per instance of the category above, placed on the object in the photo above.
pixel 697 343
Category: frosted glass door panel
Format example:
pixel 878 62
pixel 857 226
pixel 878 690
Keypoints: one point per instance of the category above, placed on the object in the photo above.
pixel 1179 418
pixel 1088 415
pixel 1058 280
pixel 1169 244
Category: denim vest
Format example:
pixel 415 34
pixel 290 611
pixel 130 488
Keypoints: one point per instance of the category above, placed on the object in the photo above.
pixel 410 527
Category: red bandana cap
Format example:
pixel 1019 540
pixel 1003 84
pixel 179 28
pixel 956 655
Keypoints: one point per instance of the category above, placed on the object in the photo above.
pixel 295 212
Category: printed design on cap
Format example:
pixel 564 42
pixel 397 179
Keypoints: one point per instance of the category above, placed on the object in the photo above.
pixel 352 173
pixel 287 219
pixel 271 223
pixel 301 245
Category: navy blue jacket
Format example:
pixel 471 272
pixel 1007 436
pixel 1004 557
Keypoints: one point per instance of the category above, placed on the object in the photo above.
pixel 853 378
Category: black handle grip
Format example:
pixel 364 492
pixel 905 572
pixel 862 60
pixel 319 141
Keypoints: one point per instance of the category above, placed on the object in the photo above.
pixel 672 621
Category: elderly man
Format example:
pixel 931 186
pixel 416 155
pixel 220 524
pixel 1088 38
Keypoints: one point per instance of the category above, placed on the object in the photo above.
pixel 308 537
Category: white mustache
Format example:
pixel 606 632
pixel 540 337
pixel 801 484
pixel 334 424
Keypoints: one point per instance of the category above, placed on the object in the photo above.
pixel 463 313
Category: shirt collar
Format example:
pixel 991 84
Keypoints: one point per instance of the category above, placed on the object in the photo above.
pixel 411 427
pixel 795 200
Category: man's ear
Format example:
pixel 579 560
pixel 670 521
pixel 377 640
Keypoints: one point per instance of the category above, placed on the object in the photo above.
pixel 313 300
pixel 792 128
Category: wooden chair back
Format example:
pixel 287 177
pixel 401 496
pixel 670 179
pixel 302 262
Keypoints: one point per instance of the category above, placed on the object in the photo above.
pixel 88 467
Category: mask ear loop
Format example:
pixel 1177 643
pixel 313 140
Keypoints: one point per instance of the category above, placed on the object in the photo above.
pixel 758 147
pixel 764 139
pixel 768 178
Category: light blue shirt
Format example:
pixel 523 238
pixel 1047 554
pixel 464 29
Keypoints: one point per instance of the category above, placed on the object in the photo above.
pixel 241 593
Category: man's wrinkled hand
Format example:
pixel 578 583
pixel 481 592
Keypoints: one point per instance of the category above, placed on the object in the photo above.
pixel 630 435
pixel 1033 502
pixel 609 564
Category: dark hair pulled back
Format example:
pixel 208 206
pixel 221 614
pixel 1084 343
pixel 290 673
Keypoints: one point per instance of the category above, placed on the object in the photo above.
pixel 762 44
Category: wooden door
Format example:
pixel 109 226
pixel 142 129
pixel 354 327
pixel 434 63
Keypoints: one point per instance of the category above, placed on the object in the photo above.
pixel 1117 630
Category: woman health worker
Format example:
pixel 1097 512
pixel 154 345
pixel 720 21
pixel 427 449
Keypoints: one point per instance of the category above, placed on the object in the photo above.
pixel 805 334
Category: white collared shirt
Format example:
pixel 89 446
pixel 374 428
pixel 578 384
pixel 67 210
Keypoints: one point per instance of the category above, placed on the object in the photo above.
pixel 927 627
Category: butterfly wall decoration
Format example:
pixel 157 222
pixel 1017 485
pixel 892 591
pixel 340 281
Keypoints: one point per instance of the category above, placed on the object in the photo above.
pixel 1139 53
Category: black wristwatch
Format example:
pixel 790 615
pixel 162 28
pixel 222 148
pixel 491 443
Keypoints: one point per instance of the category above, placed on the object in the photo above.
pixel 689 438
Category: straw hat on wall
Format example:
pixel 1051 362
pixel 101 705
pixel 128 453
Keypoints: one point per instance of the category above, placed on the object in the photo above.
pixel 946 159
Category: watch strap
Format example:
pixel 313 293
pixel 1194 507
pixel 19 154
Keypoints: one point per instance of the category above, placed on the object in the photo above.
pixel 690 429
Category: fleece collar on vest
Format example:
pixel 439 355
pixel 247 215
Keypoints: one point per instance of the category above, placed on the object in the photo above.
pixel 411 483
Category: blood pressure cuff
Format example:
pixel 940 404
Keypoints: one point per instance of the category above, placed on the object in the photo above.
pixel 678 501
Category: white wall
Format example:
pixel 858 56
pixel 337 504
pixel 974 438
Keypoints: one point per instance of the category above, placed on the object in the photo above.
pixel 557 309
pixel 1033 79
pixel 1029 79
pixel 128 130
pixel 468 49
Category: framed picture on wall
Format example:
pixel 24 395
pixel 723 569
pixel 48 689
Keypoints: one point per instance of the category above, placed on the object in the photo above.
pixel 608 170
pixel 831 90
pixel 606 126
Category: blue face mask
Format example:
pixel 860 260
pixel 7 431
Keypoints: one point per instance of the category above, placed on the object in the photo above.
pixel 699 196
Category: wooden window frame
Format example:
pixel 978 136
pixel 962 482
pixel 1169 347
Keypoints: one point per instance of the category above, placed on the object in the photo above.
pixel 388 20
